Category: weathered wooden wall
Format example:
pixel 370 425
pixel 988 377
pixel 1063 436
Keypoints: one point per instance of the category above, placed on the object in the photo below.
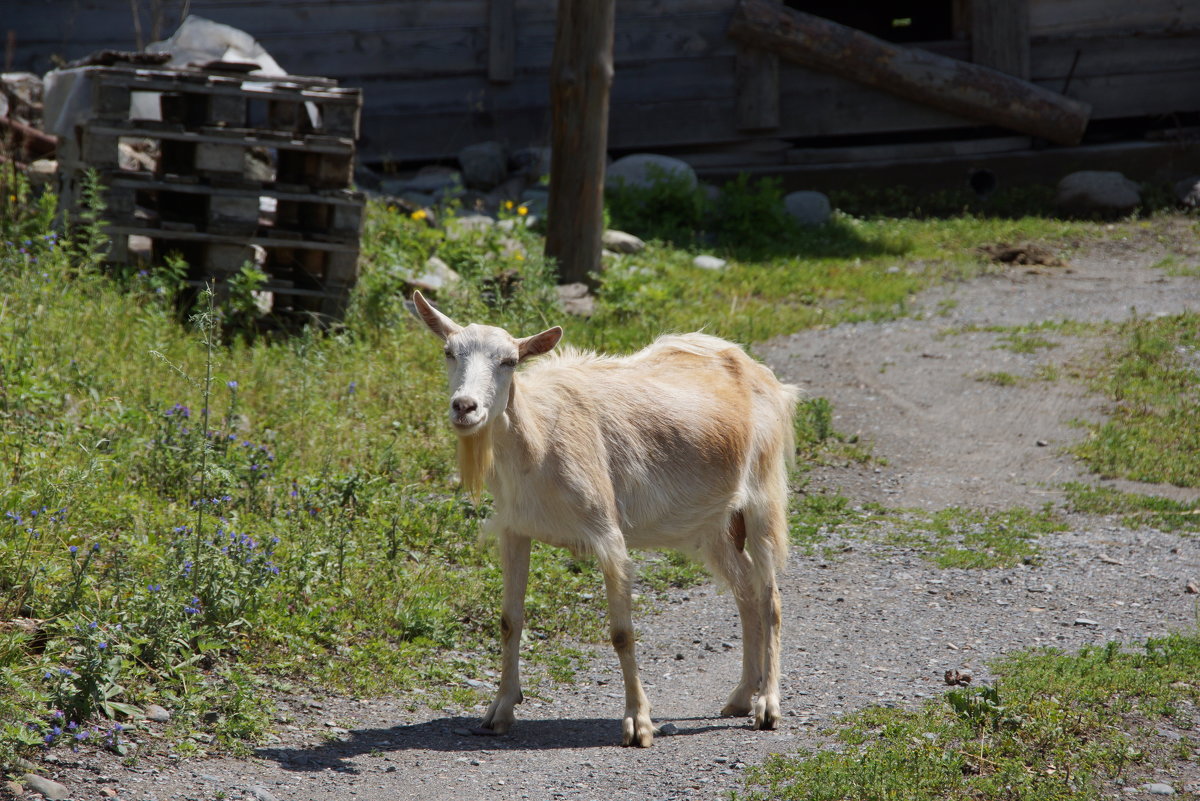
pixel 424 65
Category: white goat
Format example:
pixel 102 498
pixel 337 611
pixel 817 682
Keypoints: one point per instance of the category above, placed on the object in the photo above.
pixel 684 445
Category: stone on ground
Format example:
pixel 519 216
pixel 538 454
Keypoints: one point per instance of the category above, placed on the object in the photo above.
pixel 808 208
pixel 646 169
pixel 1097 192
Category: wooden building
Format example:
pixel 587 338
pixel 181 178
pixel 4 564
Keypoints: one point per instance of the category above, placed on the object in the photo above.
pixel 438 75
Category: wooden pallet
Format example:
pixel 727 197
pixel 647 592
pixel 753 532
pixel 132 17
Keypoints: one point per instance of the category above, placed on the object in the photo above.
pixel 331 215
pixel 295 104
pixel 310 162
pixel 304 276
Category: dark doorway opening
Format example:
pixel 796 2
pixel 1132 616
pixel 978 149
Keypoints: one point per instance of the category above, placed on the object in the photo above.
pixel 906 21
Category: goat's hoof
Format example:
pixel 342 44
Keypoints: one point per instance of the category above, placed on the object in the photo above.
pixel 766 715
pixel 488 731
pixel 492 727
pixel 635 732
pixel 735 710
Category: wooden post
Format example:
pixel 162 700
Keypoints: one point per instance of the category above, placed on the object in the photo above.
pixel 1000 35
pixel 968 90
pixel 581 73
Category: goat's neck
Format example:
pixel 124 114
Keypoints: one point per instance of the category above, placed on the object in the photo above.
pixel 518 434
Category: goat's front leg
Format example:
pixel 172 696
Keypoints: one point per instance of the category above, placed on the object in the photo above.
pixel 514 562
pixel 636 727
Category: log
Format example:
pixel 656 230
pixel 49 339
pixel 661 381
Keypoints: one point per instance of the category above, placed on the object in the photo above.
pixel 967 90
pixel 581 73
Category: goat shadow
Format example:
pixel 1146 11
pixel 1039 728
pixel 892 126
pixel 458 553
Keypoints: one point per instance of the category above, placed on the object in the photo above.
pixel 453 734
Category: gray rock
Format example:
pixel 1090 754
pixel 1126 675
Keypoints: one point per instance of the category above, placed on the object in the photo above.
pixel 709 263
pixel 808 208
pixel 1083 621
pixel 260 793
pixel 668 730
pixel 14 788
pixel 645 169
pixel 47 787
pixel 484 165
pixel 621 242
pixel 1159 788
pixel 1188 191
pixel 575 299
pixel 533 161
pixel 436 275
pixel 1097 192
pixel 157 713
pixel 433 179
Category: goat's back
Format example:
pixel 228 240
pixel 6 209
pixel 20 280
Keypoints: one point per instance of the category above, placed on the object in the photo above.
pixel 668 441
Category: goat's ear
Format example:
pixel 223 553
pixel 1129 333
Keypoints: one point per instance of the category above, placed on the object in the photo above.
pixel 538 344
pixel 438 323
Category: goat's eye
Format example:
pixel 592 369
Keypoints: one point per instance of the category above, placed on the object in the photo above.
pixel 508 362
pixel 449 354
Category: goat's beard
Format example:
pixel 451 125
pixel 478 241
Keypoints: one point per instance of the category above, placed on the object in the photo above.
pixel 475 461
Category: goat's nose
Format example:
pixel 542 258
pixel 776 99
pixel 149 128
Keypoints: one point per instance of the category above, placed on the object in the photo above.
pixel 463 405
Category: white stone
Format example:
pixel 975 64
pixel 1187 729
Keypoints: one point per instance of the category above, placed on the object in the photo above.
pixel 709 263
pixel 1159 788
pixel 621 242
pixel 435 275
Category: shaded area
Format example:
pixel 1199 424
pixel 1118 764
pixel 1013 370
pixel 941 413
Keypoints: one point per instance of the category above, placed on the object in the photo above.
pixel 452 734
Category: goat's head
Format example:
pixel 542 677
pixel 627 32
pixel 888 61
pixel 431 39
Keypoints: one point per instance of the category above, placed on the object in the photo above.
pixel 480 360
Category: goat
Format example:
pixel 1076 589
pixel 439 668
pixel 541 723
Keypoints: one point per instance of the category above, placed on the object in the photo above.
pixel 683 445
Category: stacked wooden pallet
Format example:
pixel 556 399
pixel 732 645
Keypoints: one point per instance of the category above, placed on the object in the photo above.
pixel 239 170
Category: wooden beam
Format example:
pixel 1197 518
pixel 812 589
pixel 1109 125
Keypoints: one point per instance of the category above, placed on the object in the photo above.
pixel 581 74
pixel 1000 36
pixel 502 41
pixel 967 90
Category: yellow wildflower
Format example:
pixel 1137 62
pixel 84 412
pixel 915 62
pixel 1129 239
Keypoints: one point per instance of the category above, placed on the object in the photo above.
pixel 522 210
pixel 419 214
pixel 508 204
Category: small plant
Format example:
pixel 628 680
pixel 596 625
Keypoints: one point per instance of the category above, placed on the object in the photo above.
pixel 671 207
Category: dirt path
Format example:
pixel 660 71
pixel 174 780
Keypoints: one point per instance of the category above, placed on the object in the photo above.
pixel 870 626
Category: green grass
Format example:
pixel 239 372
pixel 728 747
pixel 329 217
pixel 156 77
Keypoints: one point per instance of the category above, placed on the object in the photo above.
pixel 1054 726
pixel 1151 377
pixel 233 510
pixel 1176 266
pixel 949 538
pixel 1136 510
pixel 965 538
pixel 1000 379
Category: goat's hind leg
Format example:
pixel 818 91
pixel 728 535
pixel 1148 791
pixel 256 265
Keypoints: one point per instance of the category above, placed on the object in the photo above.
pixel 727 560
pixel 514 562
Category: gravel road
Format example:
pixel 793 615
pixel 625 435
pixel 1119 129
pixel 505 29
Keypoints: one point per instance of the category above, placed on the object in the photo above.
pixel 870 625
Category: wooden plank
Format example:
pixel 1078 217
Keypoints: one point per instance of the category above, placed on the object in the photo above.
pixel 1084 57
pixel 911 150
pixel 1089 17
pixel 1143 161
pixel 1000 35
pixel 502 39
pixel 961 88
